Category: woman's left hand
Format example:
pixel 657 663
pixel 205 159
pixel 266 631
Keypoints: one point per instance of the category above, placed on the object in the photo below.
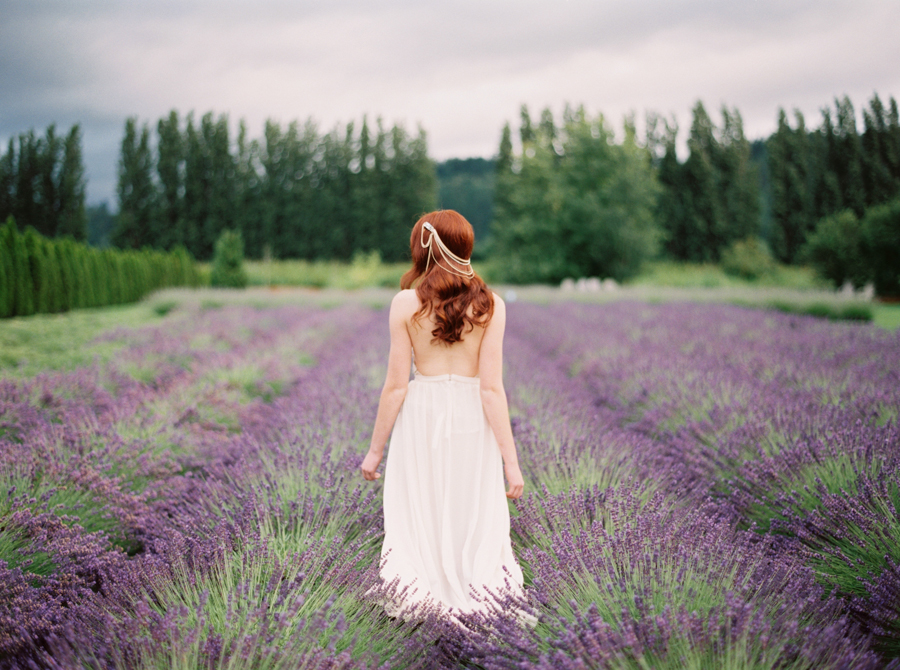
pixel 370 465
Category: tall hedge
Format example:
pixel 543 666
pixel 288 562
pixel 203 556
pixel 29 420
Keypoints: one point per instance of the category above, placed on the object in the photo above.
pixel 42 275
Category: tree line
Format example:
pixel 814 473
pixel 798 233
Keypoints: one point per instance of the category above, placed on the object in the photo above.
pixel 293 193
pixel 820 172
pixel 42 183
pixel 575 201
pixel 43 275
pixel 575 198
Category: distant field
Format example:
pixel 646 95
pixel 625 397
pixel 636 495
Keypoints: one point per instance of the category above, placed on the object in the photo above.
pixel 369 270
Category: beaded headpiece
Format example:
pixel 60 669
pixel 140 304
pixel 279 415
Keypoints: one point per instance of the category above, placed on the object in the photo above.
pixel 449 257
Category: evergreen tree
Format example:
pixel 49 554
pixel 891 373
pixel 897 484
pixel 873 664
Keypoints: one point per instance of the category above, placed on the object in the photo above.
pixel 673 201
pixel 52 277
pixel 24 298
pixel 879 184
pixel 48 156
pixel 72 217
pixel 209 177
pixel 791 166
pixel 274 189
pixel 248 195
pixel 195 190
pixel 62 251
pixel 847 159
pixel 101 224
pixel 170 170
pixel 137 195
pixel 227 267
pixel 220 214
pixel 738 181
pixel 8 169
pixel 526 130
pixel 7 268
pixel 40 275
pixel 505 154
pixel 28 175
pixel 705 226
pixel 891 143
pixel 467 185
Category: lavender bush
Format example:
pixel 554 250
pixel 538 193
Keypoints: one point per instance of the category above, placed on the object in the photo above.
pixel 707 486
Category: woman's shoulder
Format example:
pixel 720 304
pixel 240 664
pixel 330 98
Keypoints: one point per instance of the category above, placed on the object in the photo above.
pixel 405 301
pixel 498 302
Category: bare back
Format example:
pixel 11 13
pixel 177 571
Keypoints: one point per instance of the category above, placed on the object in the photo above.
pixel 437 358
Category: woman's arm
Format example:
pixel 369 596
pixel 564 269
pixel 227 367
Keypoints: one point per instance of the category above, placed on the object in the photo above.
pixel 395 385
pixel 493 396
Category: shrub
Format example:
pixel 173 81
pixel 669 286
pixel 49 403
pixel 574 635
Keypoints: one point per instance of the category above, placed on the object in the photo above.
pixel 749 258
pixel 835 312
pixel 228 261
pixel 43 275
pixel 834 249
pixel 880 246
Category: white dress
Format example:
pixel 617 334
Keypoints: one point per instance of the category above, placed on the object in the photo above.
pixel 446 520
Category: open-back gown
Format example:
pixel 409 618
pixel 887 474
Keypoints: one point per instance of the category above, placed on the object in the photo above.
pixel 446 520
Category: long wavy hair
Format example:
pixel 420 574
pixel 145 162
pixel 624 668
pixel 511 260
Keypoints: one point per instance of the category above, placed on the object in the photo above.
pixel 445 294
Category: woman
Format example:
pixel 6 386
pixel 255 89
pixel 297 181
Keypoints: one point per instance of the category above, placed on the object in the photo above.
pixel 446 522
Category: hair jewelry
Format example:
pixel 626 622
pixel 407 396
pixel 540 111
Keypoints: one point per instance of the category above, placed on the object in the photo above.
pixel 448 255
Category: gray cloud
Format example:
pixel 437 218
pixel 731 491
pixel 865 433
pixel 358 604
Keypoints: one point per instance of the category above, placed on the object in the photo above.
pixel 459 68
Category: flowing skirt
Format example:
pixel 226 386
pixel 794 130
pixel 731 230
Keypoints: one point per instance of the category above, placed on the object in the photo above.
pixel 446 520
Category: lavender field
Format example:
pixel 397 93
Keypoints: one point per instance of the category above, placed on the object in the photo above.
pixel 707 486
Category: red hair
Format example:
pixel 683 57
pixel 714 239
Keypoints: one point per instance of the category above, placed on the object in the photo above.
pixel 446 294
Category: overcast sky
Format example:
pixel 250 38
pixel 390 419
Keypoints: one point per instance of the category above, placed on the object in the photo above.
pixel 459 68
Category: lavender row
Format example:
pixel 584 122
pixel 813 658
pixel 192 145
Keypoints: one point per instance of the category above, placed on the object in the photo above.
pixel 707 485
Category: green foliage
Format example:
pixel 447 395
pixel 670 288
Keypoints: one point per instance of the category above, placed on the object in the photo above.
pixel 42 275
pixel 748 258
pixel 365 270
pixel 227 268
pixel 42 183
pixel 574 203
pixel 712 198
pixel 852 311
pixel 100 225
pixel 467 186
pixel 834 249
pixel 665 273
pixel 880 247
pixel 7 269
pixel 294 193
pixel 845 248
pixel 135 189
pixel 792 169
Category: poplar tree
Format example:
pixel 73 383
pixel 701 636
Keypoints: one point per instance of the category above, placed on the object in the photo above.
pixel 846 160
pixel 738 181
pixel 792 171
pixel 48 156
pixel 136 192
pixel 704 224
pixel 72 217
pixel 8 181
pixel 170 171
pixel 877 155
